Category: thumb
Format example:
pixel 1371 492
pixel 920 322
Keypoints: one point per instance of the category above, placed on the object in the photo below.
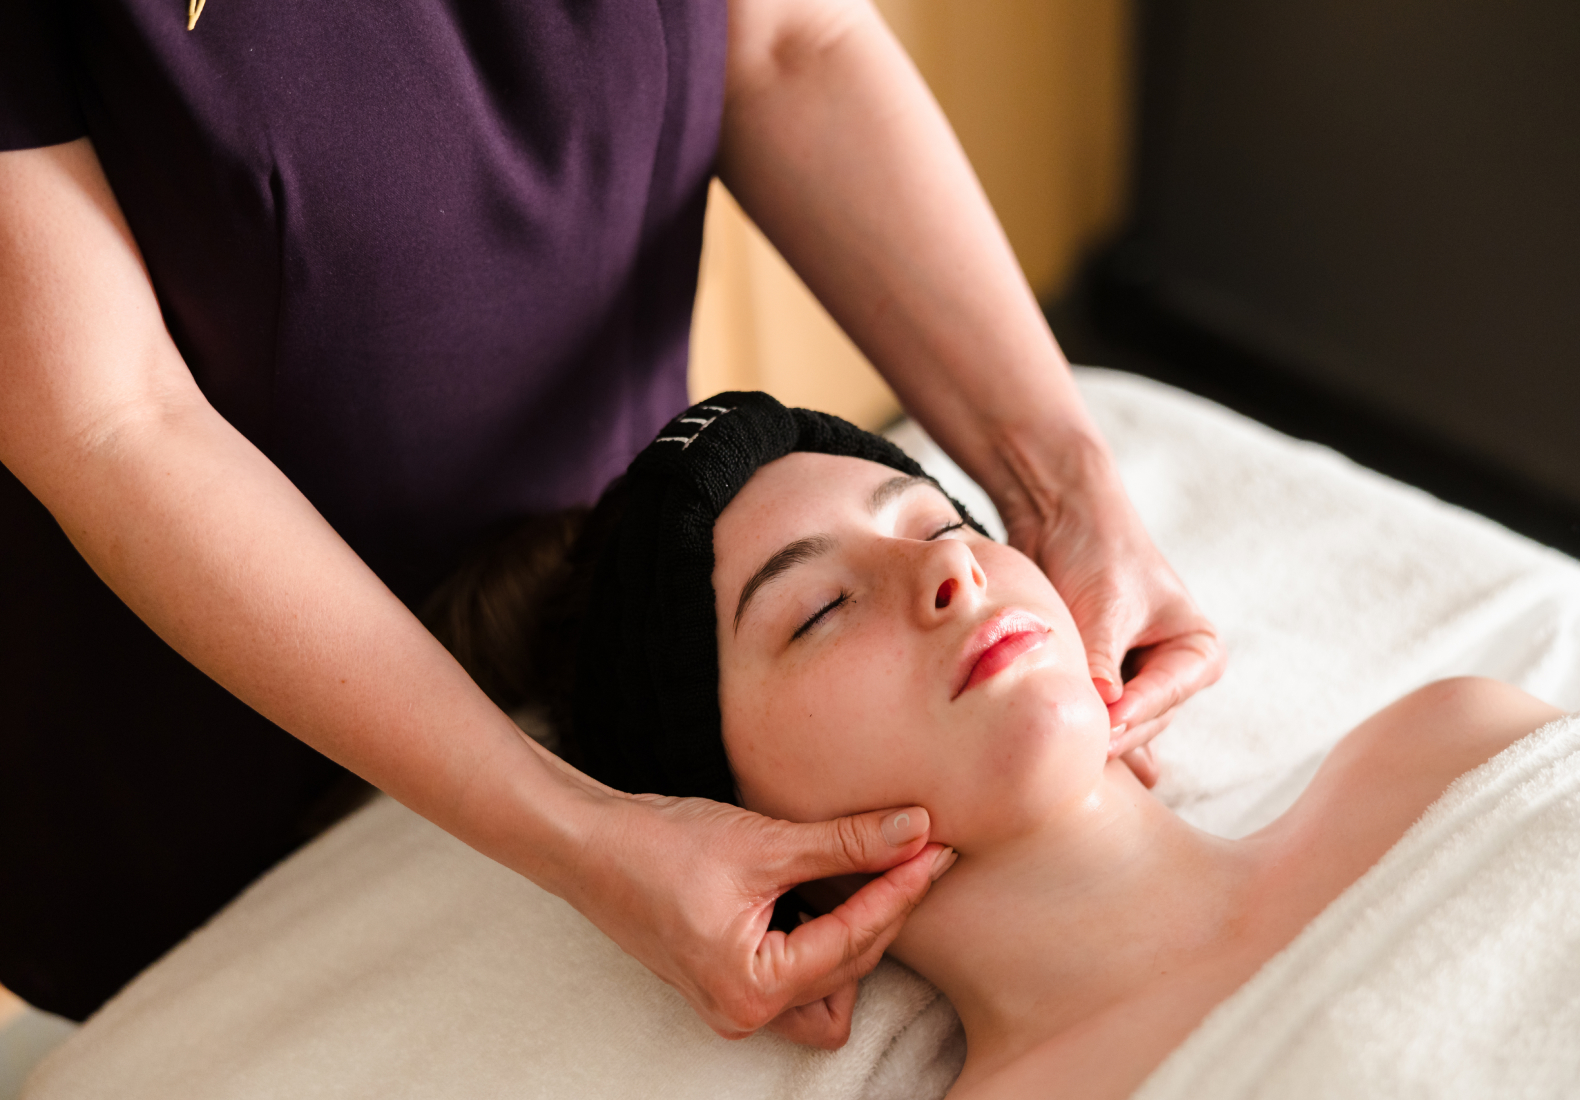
pixel 860 844
pixel 1105 653
pixel 830 951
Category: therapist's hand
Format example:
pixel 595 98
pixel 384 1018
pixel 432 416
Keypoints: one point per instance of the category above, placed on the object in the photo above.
pixel 1148 645
pixel 687 886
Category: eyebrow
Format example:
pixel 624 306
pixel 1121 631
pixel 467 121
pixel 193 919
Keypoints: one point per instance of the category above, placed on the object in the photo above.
pixel 791 555
pixel 892 488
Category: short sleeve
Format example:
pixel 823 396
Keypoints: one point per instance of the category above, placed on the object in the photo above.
pixel 38 98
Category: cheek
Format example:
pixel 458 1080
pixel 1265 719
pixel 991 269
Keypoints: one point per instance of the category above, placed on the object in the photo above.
pixel 825 736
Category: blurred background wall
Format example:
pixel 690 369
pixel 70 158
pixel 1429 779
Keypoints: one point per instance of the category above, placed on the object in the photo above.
pixel 1359 221
pixel 1039 92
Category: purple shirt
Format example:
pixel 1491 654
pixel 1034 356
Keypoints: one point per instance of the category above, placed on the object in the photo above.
pixel 435 258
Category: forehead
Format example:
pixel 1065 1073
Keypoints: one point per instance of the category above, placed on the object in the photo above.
pixel 794 496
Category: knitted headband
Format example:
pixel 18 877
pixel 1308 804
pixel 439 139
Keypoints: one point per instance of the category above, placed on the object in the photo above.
pixel 645 711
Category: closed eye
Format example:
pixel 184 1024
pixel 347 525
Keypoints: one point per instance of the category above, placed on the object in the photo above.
pixel 821 613
pixel 944 530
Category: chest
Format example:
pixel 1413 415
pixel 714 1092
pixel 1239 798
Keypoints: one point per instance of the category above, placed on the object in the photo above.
pixel 402 130
pixel 1316 854
pixel 1109 1055
pixel 390 239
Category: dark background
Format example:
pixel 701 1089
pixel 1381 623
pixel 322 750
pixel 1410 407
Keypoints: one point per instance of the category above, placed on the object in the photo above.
pixel 1359 221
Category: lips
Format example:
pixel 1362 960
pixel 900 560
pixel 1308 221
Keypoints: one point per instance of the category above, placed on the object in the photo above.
pixel 996 644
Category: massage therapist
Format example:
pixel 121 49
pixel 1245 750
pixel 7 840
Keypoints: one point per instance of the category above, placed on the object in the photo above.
pixel 298 300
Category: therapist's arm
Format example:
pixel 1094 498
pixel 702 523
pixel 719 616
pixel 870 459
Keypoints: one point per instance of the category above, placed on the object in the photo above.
pixel 836 148
pixel 220 554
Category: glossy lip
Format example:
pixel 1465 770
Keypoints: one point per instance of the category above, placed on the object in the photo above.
pixel 1002 627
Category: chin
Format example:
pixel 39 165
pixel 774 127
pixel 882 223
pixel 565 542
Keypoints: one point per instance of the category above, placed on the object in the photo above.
pixel 1045 748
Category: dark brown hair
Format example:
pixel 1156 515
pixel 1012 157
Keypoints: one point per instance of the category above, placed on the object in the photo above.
pixel 510 613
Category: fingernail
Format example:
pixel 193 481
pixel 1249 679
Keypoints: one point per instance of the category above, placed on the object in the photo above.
pixel 903 827
pixel 1115 734
pixel 942 862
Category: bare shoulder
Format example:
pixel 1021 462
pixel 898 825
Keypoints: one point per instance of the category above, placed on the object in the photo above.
pixel 1384 774
pixel 1446 728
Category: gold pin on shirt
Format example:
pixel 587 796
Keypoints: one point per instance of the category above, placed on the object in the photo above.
pixel 194 9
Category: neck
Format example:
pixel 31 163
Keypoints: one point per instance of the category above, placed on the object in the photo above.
pixel 1041 932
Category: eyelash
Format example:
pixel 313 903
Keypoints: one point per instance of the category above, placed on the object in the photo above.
pixel 834 604
pixel 818 617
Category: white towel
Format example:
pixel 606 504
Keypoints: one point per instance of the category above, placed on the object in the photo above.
pixel 387 960
pixel 1450 969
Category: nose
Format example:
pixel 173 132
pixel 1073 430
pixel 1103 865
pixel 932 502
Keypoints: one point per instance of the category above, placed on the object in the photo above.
pixel 949 580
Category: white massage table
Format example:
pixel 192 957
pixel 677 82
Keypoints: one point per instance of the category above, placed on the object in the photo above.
pixel 386 960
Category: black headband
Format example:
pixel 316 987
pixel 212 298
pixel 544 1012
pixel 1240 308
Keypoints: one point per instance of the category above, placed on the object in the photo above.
pixel 646 704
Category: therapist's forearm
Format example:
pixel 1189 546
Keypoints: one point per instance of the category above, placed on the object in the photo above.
pixel 216 550
pixel 220 554
pixel 835 147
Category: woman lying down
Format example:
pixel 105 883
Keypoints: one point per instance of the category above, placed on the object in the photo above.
pixel 777 609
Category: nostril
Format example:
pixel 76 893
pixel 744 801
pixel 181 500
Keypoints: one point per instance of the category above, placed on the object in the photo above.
pixel 946 592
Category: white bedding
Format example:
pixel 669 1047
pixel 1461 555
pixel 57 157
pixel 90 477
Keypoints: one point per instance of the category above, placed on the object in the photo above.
pixel 386 960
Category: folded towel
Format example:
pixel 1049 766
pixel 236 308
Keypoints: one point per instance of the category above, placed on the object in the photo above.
pixel 1450 969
